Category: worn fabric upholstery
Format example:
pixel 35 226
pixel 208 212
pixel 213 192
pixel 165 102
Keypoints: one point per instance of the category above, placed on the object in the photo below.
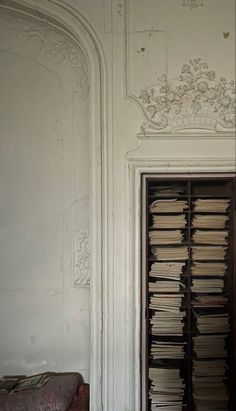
pixel 56 395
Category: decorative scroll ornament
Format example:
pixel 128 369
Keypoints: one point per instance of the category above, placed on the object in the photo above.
pixel 82 258
pixel 193 4
pixel 195 100
pixel 55 45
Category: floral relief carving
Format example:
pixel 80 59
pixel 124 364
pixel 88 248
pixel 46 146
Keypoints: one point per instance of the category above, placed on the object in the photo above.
pixel 194 100
pixel 82 258
pixel 55 45
pixel 193 4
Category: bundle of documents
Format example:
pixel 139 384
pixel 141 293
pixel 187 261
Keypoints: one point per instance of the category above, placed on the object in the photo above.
pixel 210 301
pixel 167 389
pixel 166 237
pixel 209 390
pixel 209 346
pixel 169 221
pixel 171 271
pixel 167 189
pixel 210 221
pixel 210 237
pixel 212 285
pixel 167 350
pixel 166 302
pixel 216 205
pixel 171 205
pixel 208 252
pixel 208 323
pixel 170 253
pixel 208 269
pixel 165 286
pixel 167 324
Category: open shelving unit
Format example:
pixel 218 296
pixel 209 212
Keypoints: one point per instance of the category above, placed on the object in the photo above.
pixel 190 188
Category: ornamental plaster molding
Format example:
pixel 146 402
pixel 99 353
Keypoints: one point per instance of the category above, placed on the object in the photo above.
pixel 82 258
pixel 55 45
pixel 196 99
pixel 193 4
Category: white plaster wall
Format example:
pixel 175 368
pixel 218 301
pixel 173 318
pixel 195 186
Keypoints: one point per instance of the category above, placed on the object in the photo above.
pixel 140 41
pixel 44 201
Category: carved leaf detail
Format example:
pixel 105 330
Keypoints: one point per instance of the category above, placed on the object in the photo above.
pixel 55 45
pixel 82 258
pixel 194 100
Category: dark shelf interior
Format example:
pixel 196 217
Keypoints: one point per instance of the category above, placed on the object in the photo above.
pixel 190 188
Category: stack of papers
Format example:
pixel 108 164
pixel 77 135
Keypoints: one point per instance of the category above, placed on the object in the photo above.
pixel 165 286
pixel 208 269
pixel 169 221
pixel 208 323
pixel 212 285
pixel 170 253
pixel 166 237
pixel 209 346
pixel 171 205
pixel 167 389
pixel 167 189
pixel 166 302
pixel 167 350
pixel 215 205
pixel 208 252
pixel 209 301
pixel 167 324
pixel 209 221
pixel 171 271
pixel 209 390
pixel 210 237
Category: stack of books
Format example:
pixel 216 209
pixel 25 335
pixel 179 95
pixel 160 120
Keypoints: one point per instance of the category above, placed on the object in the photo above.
pixel 169 221
pixel 163 286
pixel 211 322
pixel 208 269
pixel 167 323
pixel 208 252
pixel 215 205
pixel 167 189
pixel 171 271
pixel 166 237
pixel 210 346
pixel 170 253
pixel 210 237
pixel 209 390
pixel 210 301
pixel 167 389
pixel 167 350
pixel 171 205
pixel 212 285
pixel 209 221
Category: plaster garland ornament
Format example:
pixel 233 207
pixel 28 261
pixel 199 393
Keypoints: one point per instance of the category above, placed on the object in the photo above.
pixel 82 258
pixel 196 99
pixel 193 4
pixel 55 45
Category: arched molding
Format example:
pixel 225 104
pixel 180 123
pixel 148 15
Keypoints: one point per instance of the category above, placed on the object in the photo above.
pixel 64 18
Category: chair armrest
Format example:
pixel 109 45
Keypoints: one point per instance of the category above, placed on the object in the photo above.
pixel 81 403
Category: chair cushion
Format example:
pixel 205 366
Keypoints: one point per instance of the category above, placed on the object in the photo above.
pixel 56 395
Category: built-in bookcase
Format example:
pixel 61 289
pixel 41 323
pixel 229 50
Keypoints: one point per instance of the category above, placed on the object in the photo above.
pixel 188 288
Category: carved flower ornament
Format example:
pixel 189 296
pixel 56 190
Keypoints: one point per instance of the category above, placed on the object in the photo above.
pixel 196 99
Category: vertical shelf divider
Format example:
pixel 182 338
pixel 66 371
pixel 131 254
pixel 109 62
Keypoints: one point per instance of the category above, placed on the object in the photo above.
pixel 189 313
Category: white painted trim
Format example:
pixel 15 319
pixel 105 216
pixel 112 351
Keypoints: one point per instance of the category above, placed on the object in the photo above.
pixel 135 169
pixel 187 136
